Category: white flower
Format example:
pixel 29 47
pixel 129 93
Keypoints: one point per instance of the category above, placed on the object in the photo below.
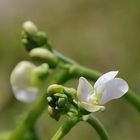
pixel 106 88
pixel 25 82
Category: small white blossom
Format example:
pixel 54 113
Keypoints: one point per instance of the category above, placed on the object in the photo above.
pixel 105 89
pixel 24 81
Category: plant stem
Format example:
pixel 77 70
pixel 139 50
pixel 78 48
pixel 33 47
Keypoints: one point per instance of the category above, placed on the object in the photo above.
pixel 64 58
pixel 30 120
pixel 98 127
pixel 68 125
pixel 62 77
pixel 65 128
pixel 133 98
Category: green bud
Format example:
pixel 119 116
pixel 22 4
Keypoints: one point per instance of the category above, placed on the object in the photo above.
pixel 62 102
pixel 40 38
pixel 42 71
pixel 44 55
pixel 70 92
pixel 29 28
pixel 51 101
pixel 55 114
pixel 60 95
pixel 34 38
pixel 52 89
pixel 25 41
pixel 29 44
pixel 40 74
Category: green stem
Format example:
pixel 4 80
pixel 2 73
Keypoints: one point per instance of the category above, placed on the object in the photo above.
pixel 133 98
pixel 68 125
pixel 64 58
pixel 34 134
pixel 98 127
pixel 77 71
pixel 65 128
pixel 62 77
pixel 30 120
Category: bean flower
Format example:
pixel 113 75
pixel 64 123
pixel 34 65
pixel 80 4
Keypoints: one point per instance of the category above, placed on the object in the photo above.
pixel 105 89
pixel 27 80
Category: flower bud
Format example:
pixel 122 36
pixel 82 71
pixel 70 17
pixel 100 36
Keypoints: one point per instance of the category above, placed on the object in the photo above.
pixel 51 101
pixel 61 102
pixel 52 89
pixel 42 54
pixel 40 73
pixel 40 38
pixel 58 104
pixel 32 38
pixel 55 114
pixel 26 81
pixel 71 92
pixel 29 28
pixel 29 44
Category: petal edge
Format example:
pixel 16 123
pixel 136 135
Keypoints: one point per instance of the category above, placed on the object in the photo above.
pixel 105 78
pixel 84 90
pixel 92 107
pixel 114 89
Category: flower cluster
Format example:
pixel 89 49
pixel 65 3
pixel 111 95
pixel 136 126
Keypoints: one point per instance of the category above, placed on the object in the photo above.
pixel 28 80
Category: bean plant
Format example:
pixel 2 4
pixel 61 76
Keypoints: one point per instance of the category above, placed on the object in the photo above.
pixel 28 82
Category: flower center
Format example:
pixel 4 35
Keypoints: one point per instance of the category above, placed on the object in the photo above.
pixel 95 98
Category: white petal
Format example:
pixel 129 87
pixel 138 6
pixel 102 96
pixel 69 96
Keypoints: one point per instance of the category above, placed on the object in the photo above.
pixel 21 75
pixel 104 78
pixel 92 107
pixel 114 89
pixel 84 90
pixel 27 95
pixel 21 82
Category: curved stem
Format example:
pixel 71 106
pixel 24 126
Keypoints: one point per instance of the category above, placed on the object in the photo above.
pixel 63 77
pixel 65 128
pixel 30 120
pixel 132 98
pixel 64 58
pixel 34 134
pixel 98 127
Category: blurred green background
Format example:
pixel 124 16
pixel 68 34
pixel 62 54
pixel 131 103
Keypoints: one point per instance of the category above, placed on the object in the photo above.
pixel 102 35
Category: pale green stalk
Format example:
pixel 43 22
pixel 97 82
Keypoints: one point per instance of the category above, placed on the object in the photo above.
pixel 97 126
pixel 65 128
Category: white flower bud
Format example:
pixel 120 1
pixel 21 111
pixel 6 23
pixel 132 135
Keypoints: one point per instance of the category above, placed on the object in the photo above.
pixel 24 81
pixel 30 28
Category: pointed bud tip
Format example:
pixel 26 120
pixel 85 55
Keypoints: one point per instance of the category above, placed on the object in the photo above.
pixel 29 27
